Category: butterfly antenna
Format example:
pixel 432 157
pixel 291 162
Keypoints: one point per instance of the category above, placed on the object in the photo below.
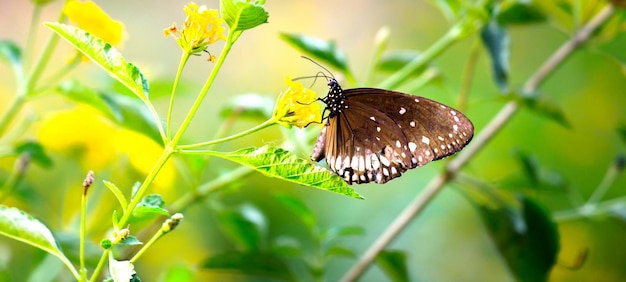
pixel 319 65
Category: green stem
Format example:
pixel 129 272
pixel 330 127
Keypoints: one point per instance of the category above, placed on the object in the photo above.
pixel 26 87
pixel 453 35
pixel 147 245
pixel 380 45
pixel 100 266
pixel 468 76
pixel 15 107
pixel 205 89
pixel 16 176
pixel 263 125
pixel 52 80
pixel 181 66
pixel 32 32
pixel 43 61
pixel 609 178
pixel 83 229
pixel 167 153
pixel 192 196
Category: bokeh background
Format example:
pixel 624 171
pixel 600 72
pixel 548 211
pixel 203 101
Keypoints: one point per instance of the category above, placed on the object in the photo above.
pixel 447 242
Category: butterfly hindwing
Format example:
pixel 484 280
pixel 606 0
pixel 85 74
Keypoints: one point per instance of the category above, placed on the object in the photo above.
pixel 363 150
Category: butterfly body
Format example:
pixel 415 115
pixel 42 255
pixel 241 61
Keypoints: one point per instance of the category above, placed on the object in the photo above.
pixel 375 135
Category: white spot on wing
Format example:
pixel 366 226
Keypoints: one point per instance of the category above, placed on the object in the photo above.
pixel 412 124
pixel 440 138
pixel 425 140
pixel 412 146
pixel 373 118
pixel 402 110
pixel 361 163
pixel 455 127
pixel 378 128
pixel 384 161
pixel 398 144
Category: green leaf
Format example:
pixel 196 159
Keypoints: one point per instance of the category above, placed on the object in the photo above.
pixel 105 56
pixel 18 225
pixel 117 193
pixel 287 247
pixel 127 111
pixel 258 264
pixel 497 41
pixel 252 106
pixel 297 208
pixel 35 151
pixel 396 60
pixel 134 115
pixel 526 236
pixel 450 8
pixel 530 167
pixel 77 92
pixel 614 48
pixel 245 226
pixel 279 163
pixel 393 263
pixel 339 251
pixel 130 241
pixel 242 15
pixel 323 50
pixel 11 54
pixel 149 207
pixel 336 232
pixel 548 109
pixel 520 12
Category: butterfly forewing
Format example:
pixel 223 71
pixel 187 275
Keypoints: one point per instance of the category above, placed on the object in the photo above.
pixel 376 135
pixel 433 130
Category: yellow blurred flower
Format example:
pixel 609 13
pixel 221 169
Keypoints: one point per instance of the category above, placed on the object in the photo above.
pixel 201 28
pixel 297 106
pixel 143 153
pixel 86 135
pixel 90 17
pixel 80 133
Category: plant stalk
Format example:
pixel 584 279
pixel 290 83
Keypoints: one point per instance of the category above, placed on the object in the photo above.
pixel 495 125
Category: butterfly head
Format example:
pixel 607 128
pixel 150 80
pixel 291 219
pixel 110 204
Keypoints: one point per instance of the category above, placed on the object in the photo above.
pixel 335 100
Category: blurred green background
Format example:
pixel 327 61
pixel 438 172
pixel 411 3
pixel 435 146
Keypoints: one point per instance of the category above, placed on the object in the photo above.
pixel 448 242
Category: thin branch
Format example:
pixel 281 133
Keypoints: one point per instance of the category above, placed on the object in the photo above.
pixel 494 126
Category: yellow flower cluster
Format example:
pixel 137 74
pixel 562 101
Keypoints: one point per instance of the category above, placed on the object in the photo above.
pixel 84 134
pixel 90 17
pixel 297 106
pixel 201 27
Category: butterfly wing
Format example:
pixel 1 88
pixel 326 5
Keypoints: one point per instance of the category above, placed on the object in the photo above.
pixel 384 133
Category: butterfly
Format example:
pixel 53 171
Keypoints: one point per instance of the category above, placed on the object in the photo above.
pixel 375 135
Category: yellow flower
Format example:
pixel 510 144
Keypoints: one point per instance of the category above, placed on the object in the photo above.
pixel 86 135
pixel 91 18
pixel 201 28
pixel 297 106
pixel 81 133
